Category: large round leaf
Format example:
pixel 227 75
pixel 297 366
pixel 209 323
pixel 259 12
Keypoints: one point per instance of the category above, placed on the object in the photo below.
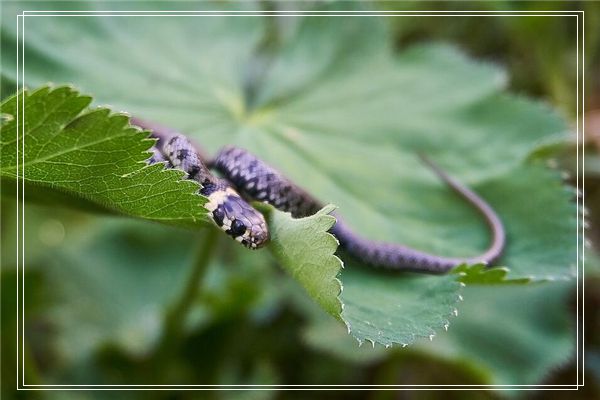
pixel 342 115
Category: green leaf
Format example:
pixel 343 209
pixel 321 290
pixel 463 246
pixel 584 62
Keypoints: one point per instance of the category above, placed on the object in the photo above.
pixel 480 274
pixel 92 155
pixel 389 308
pixel 540 218
pixel 306 250
pixel 514 334
pixel 124 70
pixel 494 335
pixel 343 116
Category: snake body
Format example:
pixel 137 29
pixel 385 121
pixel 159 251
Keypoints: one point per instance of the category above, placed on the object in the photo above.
pixel 258 181
pixel 225 206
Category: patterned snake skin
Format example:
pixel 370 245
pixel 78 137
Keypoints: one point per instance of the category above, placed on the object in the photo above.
pixel 225 207
pixel 257 181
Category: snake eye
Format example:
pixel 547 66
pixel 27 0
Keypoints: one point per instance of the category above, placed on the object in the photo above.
pixel 218 216
pixel 237 228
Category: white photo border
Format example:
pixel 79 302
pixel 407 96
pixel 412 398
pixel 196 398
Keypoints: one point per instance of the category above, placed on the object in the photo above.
pixel 580 191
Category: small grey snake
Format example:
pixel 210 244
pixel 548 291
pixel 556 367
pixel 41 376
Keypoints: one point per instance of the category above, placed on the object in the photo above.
pixel 249 176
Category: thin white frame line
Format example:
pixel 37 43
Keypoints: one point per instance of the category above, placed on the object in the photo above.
pixel 330 387
pixel 577 197
pixel 301 11
pixel 583 197
pixel 501 387
pixel 174 387
pixel 18 214
pixel 305 389
pixel 311 385
pixel 305 15
pixel 23 203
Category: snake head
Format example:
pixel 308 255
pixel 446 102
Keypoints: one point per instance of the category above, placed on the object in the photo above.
pixel 237 218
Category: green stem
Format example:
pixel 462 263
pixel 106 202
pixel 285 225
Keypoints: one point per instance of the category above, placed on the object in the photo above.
pixel 176 316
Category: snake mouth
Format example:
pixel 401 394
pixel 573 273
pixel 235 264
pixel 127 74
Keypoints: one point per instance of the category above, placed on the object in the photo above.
pixel 251 230
pixel 258 237
pixel 253 237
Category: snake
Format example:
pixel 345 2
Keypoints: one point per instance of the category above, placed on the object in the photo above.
pixel 243 178
pixel 227 209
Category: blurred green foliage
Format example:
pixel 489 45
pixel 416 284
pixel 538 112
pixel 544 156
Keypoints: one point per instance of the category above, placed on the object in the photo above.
pixel 538 51
pixel 246 322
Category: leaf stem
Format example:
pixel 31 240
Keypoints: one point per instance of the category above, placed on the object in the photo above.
pixel 177 314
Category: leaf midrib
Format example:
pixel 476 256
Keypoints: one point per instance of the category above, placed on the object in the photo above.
pixel 60 153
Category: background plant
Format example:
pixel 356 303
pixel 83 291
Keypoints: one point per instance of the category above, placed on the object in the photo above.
pixel 135 315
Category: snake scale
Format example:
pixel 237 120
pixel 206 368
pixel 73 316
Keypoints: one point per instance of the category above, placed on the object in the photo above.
pixel 247 178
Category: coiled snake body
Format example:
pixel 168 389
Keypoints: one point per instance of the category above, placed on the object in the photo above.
pixel 257 181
